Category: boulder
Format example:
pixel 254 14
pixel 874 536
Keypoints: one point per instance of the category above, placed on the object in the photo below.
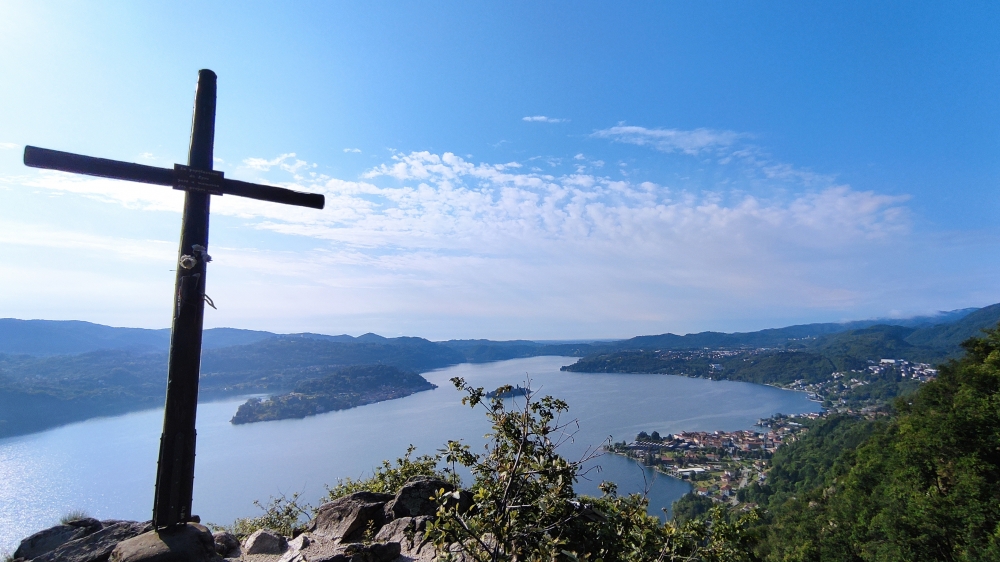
pixel 49 539
pixel 226 544
pixel 408 533
pixel 346 519
pixel 265 541
pixel 416 497
pixel 95 547
pixel 185 543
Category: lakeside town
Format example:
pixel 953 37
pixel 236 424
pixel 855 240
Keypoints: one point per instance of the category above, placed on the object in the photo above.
pixel 858 391
pixel 719 464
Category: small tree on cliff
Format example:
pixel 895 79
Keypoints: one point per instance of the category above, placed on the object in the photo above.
pixel 525 508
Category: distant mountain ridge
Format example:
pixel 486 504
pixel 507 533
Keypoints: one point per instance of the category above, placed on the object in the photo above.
pixel 812 363
pixel 772 337
pixel 67 337
pixel 54 372
pixel 64 337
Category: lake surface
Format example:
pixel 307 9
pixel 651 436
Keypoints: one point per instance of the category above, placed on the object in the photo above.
pixel 107 466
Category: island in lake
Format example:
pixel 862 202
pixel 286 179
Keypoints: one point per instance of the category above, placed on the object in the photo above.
pixel 510 392
pixel 345 388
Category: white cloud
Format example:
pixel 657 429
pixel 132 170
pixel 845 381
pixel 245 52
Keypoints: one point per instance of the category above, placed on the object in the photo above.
pixel 47 236
pixel 543 119
pixel 671 140
pixel 8 146
pixel 287 162
pixel 353 150
pixel 428 235
pixel 728 147
pixel 128 194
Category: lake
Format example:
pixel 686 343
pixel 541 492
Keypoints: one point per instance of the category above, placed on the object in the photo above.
pixel 106 466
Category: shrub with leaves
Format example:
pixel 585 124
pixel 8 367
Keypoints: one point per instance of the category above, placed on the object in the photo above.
pixel 388 478
pixel 282 514
pixel 525 508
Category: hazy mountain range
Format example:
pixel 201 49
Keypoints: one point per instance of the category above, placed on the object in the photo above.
pixel 54 372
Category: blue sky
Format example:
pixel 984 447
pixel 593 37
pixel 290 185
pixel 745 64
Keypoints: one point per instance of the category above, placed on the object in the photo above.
pixel 512 170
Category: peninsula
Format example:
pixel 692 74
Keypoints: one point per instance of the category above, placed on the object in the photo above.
pixel 345 388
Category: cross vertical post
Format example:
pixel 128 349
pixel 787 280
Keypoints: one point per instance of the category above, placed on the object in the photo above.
pixel 175 466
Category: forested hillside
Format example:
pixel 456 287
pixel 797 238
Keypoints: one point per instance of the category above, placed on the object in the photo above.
pixel 843 368
pixel 920 485
pixel 342 388
pixel 41 392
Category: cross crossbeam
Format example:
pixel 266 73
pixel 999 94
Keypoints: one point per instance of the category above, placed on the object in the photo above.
pixel 175 467
pixel 102 167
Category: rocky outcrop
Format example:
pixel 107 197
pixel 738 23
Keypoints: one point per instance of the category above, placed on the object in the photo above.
pixel 347 519
pixel 186 543
pixel 408 533
pixel 369 527
pixel 360 527
pixel 331 551
pixel 54 537
pixel 84 540
pixel 417 497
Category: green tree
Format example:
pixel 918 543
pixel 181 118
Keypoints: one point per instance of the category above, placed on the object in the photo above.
pixel 525 507
pixel 691 506
pixel 921 487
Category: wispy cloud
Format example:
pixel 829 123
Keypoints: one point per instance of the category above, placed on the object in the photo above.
pixel 726 147
pixel 8 146
pixel 37 236
pixel 435 234
pixel 543 119
pixel 671 140
pixel 353 150
pixel 287 162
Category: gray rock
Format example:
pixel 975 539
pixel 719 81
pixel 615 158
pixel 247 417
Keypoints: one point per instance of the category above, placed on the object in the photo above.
pixel 96 546
pixel 408 533
pixel 416 497
pixel 374 552
pixel 299 542
pixel 292 556
pixel 265 541
pixel 226 543
pixel 346 519
pixel 295 547
pixel 328 551
pixel 187 543
pixel 49 539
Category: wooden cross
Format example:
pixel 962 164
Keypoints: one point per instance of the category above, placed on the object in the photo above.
pixel 175 467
